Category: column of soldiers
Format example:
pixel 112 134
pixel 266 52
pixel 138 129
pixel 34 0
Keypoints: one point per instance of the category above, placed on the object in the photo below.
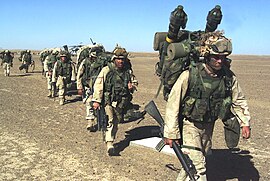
pixel 104 79
pixel 204 90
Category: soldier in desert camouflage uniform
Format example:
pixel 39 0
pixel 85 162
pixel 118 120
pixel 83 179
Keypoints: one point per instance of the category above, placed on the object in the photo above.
pixel 201 95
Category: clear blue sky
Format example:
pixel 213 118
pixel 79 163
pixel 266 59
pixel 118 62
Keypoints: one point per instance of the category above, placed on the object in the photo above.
pixel 38 24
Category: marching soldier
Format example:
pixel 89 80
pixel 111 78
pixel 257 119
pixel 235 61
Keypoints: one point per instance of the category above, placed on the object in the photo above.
pixel 112 89
pixel 63 75
pixel 49 62
pixel 7 61
pixel 201 95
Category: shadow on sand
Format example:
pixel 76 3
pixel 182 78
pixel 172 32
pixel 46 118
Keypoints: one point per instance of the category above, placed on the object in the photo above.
pixel 224 165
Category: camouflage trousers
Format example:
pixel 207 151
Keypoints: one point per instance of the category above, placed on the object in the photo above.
pixel 114 118
pixel 49 80
pixel 62 87
pixel 197 137
pixel 90 116
pixel 6 67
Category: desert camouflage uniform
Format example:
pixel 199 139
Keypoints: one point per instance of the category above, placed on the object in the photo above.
pixel 26 61
pixel 88 90
pixel 7 62
pixel 198 134
pixel 114 115
pixel 63 75
pixel 49 62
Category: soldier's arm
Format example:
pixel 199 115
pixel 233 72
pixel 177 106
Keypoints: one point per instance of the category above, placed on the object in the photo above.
pixel 239 104
pixel 99 85
pixel 73 72
pixel 54 75
pixel 80 75
pixel 46 68
pixel 171 127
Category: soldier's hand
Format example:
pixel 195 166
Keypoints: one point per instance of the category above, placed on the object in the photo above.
pixel 169 141
pixel 246 132
pixel 96 105
pixel 130 86
pixel 80 92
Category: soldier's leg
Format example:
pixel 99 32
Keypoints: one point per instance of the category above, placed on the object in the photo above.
pixel 111 128
pixel 26 68
pixel 192 137
pixel 5 69
pixel 8 69
pixel 90 116
pixel 61 93
pixel 49 84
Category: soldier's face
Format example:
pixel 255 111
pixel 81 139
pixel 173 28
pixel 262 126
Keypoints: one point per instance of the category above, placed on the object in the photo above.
pixel 63 58
pixel 119 63
pixel 216 61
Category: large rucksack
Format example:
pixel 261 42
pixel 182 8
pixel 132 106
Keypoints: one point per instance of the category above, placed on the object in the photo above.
pixel 174 58
pixel 189 48
pixel 93 68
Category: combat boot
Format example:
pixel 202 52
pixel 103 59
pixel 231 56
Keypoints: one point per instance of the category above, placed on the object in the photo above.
pixel 110 148
pixel 61 101
pixel 91 126
pixel 49 94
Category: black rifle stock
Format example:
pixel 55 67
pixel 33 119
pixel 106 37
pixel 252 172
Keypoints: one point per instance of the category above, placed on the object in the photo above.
pixel 102 120
pixel 54 90
pixel 186 163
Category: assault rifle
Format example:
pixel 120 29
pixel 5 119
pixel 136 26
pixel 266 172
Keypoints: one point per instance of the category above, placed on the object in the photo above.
pixel 54 89
pixel 185 161
pixel 102 120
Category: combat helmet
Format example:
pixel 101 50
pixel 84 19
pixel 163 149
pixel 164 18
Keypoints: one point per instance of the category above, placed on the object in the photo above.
pixel 63 53
pixel 7 51
pixel 119 53
pixel 215 43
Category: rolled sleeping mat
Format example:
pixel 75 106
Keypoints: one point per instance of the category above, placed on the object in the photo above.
pixel 178 50
pixel 158 38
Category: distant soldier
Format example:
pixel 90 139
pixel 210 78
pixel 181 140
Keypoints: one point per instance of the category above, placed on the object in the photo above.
pixel 85 81
pixel 49 62
pixel 83 52
pixel 26 58
pixel 63 75
pixel 7 61
pixel 43 54
pixel 112 89
pixel 88 71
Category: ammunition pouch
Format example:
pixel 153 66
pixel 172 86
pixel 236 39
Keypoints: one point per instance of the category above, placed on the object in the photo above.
pixel 231 132
pixel 224 109
pixel 195 109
